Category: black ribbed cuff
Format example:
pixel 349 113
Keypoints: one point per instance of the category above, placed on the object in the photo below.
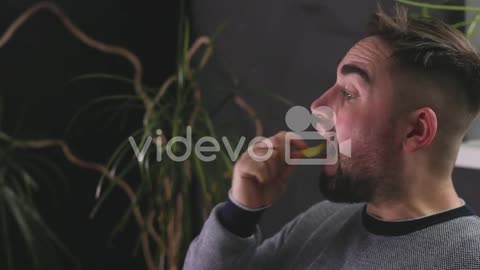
pixel 239 221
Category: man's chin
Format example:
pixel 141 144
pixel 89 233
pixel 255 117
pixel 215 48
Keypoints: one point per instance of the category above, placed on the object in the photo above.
pixel 337 186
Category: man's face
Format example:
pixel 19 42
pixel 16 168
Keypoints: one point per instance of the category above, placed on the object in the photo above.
pixel 363 99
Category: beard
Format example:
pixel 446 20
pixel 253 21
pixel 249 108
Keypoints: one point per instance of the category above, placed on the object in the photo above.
pixel 366 177
pixel 344 187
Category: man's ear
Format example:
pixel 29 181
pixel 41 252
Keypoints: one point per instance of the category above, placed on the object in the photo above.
pixel 421 129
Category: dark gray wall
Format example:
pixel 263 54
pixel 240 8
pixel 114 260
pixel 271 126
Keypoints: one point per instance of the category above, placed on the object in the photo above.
pixel 290 48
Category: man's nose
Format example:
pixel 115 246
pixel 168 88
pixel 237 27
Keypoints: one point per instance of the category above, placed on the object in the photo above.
pixel 324 112
pixel 323 100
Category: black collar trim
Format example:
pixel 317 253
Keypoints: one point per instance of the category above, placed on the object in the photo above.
pixel 397 228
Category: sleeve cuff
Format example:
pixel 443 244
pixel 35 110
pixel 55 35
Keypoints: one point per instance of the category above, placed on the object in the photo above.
pixel 238 204
pixel 239 220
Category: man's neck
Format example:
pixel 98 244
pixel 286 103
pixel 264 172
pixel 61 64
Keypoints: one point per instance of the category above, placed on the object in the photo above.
pixel 417 203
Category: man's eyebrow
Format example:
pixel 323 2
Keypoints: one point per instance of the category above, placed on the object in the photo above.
pixel 353 69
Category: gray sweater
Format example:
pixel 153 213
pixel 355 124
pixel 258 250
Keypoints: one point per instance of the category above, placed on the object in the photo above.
pixel 343 236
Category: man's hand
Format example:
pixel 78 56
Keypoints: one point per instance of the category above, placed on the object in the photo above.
pixel 257 184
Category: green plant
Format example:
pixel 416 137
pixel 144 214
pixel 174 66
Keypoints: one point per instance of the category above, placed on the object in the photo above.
pixel 426 9
pixel 160 194
pixel 21 173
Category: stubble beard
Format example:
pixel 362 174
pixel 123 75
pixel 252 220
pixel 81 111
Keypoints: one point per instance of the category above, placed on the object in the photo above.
pixel 366 178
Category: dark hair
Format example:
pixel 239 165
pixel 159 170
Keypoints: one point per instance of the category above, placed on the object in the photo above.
pixel 441 66
pixel 429 45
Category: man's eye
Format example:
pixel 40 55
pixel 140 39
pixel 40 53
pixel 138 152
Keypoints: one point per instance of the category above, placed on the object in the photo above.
pixel 347 95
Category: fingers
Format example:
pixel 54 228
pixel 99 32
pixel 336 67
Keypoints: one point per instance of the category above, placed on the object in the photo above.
pixel 296 141
pixel 276 164
pixel 298 145
pixel 261 173
pixel 278 143
pixel 265 160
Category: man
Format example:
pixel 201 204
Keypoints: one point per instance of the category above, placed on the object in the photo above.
pixel 405 95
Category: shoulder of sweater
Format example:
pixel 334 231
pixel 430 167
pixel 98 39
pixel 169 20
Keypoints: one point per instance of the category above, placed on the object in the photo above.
pixel 330 207
pixel 462 235
pixel 326 208
pixel 468 230
pixel 465 241
pixel 311 220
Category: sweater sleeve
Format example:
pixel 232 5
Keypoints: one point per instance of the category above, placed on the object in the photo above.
pixel 216 247
pixel 238 220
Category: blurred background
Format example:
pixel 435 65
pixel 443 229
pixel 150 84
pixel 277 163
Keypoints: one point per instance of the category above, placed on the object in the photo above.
pixel 272 54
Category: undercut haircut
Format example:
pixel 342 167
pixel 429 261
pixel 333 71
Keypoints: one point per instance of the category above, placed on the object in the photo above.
pixel 434 65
